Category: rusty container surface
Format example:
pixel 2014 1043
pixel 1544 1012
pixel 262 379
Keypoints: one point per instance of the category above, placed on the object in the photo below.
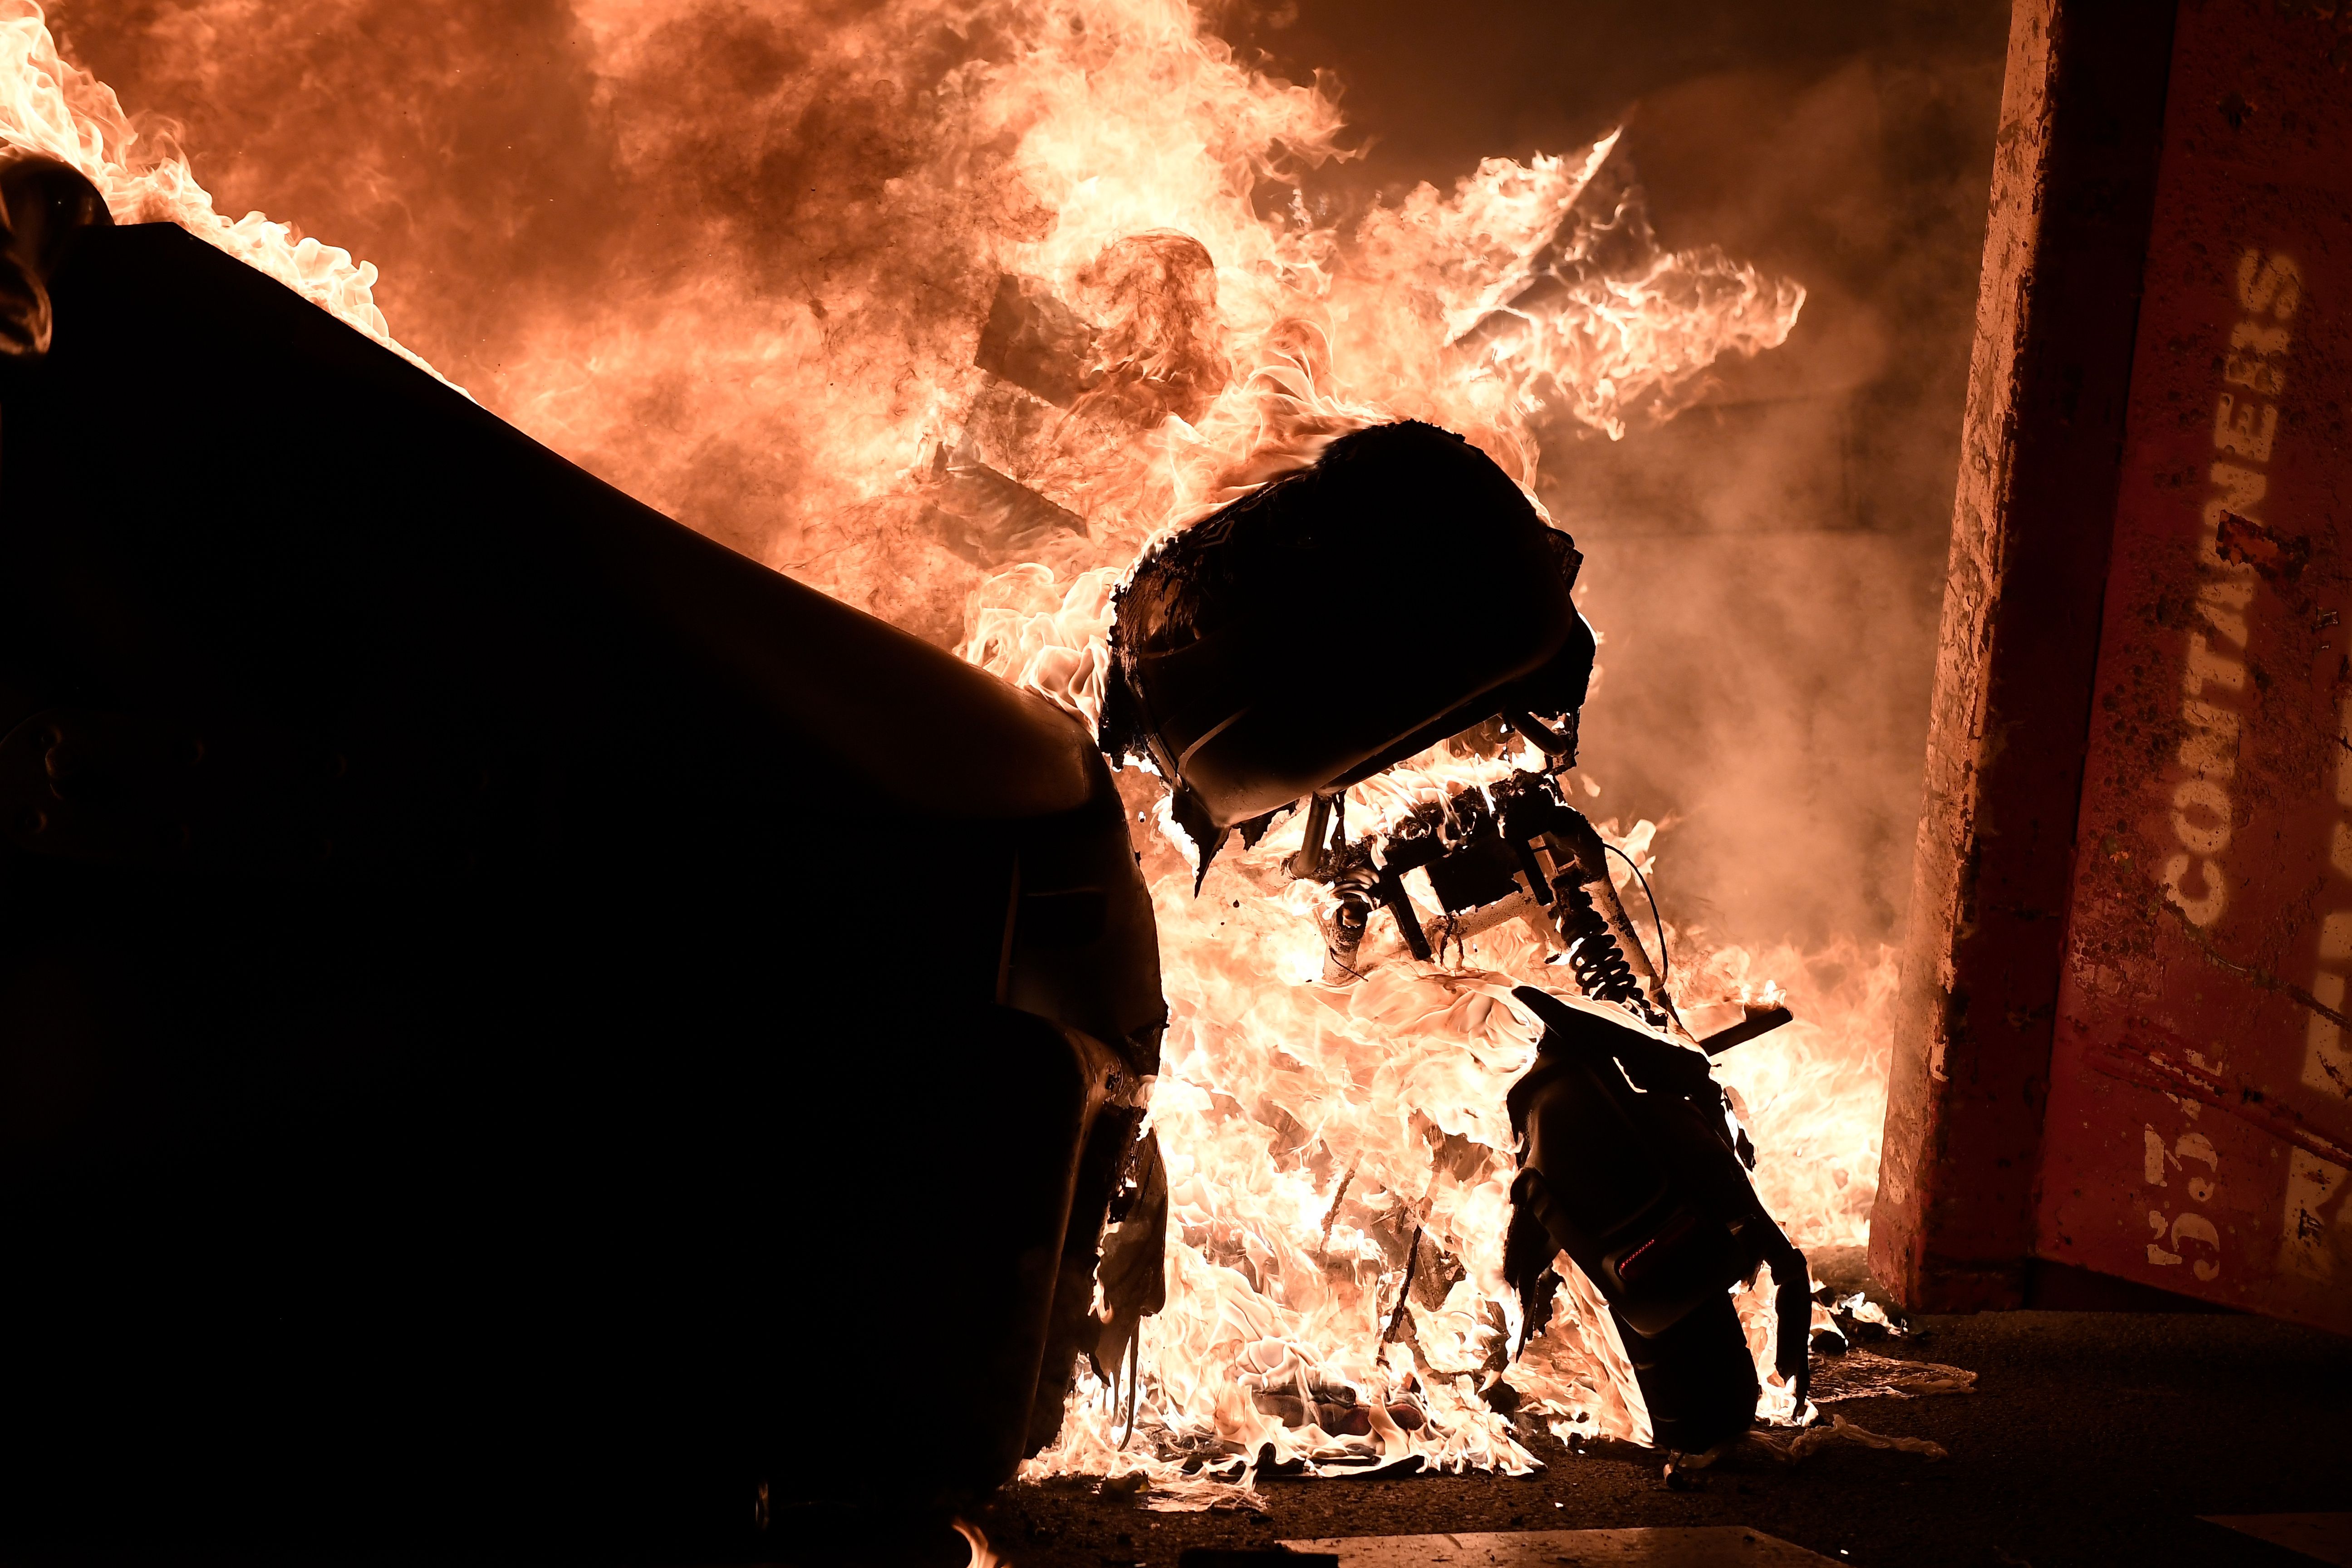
pixel 2121 1042
pixel 2201 1104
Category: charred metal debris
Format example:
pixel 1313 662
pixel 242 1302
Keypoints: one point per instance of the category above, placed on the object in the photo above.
pixel 1261 663
pixel 1144 349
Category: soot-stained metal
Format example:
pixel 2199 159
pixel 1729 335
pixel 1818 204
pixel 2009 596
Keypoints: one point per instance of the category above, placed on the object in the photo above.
pixel 1629 1165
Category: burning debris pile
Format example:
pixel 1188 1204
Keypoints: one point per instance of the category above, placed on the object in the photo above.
pixel 1155 347
pixel 1629 1156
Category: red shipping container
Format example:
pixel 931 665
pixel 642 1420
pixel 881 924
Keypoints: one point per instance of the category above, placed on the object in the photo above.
pixel 2124 1044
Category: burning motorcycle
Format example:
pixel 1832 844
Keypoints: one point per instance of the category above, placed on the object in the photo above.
pixel 1260 668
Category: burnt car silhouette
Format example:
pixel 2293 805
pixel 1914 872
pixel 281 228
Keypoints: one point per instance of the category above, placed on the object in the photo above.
pixel 509 1010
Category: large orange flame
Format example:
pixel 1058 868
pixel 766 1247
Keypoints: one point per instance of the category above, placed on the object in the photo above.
pixel 1114 158
pixel 49 106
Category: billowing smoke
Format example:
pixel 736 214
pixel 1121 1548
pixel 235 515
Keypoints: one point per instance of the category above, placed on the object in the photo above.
pixel 633 228
pixel 662 238
pixel 735 258
pixel 744 260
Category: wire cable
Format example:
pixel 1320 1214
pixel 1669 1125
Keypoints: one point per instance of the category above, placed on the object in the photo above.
pixel 1666 972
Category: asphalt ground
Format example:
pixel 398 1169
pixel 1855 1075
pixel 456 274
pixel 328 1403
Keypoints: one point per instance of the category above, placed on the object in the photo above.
pixel 2093 1437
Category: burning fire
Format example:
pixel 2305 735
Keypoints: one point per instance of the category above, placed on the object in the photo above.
pixel 49 106
pixel 1338 1159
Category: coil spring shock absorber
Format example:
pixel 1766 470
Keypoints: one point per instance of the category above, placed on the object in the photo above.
pixel 1357 886
pixel 1593 956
